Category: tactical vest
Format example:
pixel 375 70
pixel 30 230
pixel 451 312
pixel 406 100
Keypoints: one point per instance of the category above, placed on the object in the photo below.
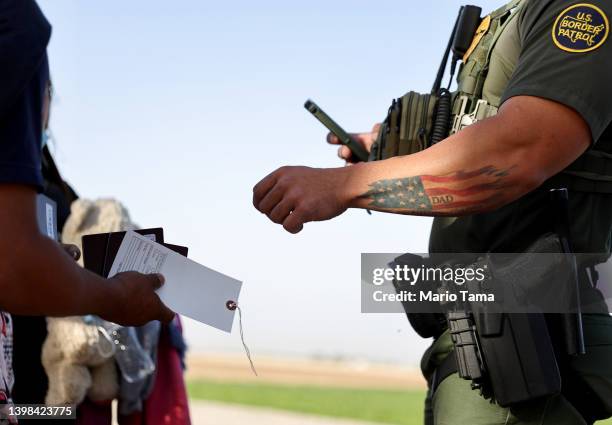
pixel 483 76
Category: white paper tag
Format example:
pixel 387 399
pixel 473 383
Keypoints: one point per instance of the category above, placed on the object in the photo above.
pixel 191 289
pixel 50 220
pixel 46 213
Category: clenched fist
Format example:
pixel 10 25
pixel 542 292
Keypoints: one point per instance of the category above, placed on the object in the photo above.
pixel 292 196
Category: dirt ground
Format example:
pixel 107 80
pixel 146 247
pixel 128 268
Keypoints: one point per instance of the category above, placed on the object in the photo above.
pixel 235 368
pixel 212 413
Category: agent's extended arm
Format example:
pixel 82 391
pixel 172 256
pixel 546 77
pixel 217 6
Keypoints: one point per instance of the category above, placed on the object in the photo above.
pixel 481 168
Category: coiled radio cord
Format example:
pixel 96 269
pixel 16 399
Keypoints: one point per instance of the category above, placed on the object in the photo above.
pixel 442 119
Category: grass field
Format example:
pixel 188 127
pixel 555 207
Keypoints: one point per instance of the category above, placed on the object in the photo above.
pixel 384 406
pixel 399 407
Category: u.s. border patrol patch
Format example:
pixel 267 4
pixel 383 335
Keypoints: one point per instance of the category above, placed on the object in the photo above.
pixel 581 28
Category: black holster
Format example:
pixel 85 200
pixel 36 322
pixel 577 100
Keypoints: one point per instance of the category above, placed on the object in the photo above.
pixel 509 357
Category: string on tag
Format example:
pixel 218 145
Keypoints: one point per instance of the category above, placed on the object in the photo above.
pixel 232 305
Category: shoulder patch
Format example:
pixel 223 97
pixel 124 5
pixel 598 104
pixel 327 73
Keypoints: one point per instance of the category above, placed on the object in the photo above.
pixel 581 28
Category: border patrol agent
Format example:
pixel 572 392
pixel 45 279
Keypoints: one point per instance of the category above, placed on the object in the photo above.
pixel 532 111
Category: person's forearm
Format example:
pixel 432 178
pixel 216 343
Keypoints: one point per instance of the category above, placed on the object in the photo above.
pixel 467 173
pixel 481 168
pixel 39 278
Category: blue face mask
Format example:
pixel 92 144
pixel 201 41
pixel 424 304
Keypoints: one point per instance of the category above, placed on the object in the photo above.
pixel 45 138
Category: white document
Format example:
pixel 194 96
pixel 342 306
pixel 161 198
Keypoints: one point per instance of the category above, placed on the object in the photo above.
pixel 191 289
pixel 46 214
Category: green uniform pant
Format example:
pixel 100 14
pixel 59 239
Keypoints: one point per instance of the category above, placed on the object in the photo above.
pixel 455 403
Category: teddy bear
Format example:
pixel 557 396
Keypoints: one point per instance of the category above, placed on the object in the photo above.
pixel 78 353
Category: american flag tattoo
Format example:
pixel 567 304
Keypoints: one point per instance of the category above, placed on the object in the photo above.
pixel 422 194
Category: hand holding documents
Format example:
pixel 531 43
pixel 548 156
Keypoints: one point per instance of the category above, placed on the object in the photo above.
pixel 191 289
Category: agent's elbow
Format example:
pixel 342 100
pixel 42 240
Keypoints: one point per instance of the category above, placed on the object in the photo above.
pixel 525 178
pixel 522 177
pixel 529 180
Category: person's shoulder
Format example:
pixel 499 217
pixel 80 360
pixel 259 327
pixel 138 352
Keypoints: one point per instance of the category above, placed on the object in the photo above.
pixel 24 35
pixel 23 23
pixel 533 6
pixel 574 26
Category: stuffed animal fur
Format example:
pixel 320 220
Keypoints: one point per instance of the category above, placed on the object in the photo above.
pixel 75 354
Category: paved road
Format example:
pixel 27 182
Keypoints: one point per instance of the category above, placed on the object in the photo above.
pixel 212 413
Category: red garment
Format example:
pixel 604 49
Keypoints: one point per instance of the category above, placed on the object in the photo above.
pixel 93 413
pixel 167 404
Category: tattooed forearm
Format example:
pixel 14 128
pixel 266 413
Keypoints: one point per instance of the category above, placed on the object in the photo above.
pixel 459 192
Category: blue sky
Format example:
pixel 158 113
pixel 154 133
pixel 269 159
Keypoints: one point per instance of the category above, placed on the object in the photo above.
pixel 178 108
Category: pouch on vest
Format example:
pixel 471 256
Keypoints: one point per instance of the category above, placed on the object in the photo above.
pixel 427 325
pixel 407 127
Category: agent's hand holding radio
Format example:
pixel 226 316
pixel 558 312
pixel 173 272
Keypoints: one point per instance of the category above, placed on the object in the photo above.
pixel 364 139
pixel 356 147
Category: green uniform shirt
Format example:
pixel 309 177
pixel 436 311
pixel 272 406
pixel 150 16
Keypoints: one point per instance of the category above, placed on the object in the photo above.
pixel 564 54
